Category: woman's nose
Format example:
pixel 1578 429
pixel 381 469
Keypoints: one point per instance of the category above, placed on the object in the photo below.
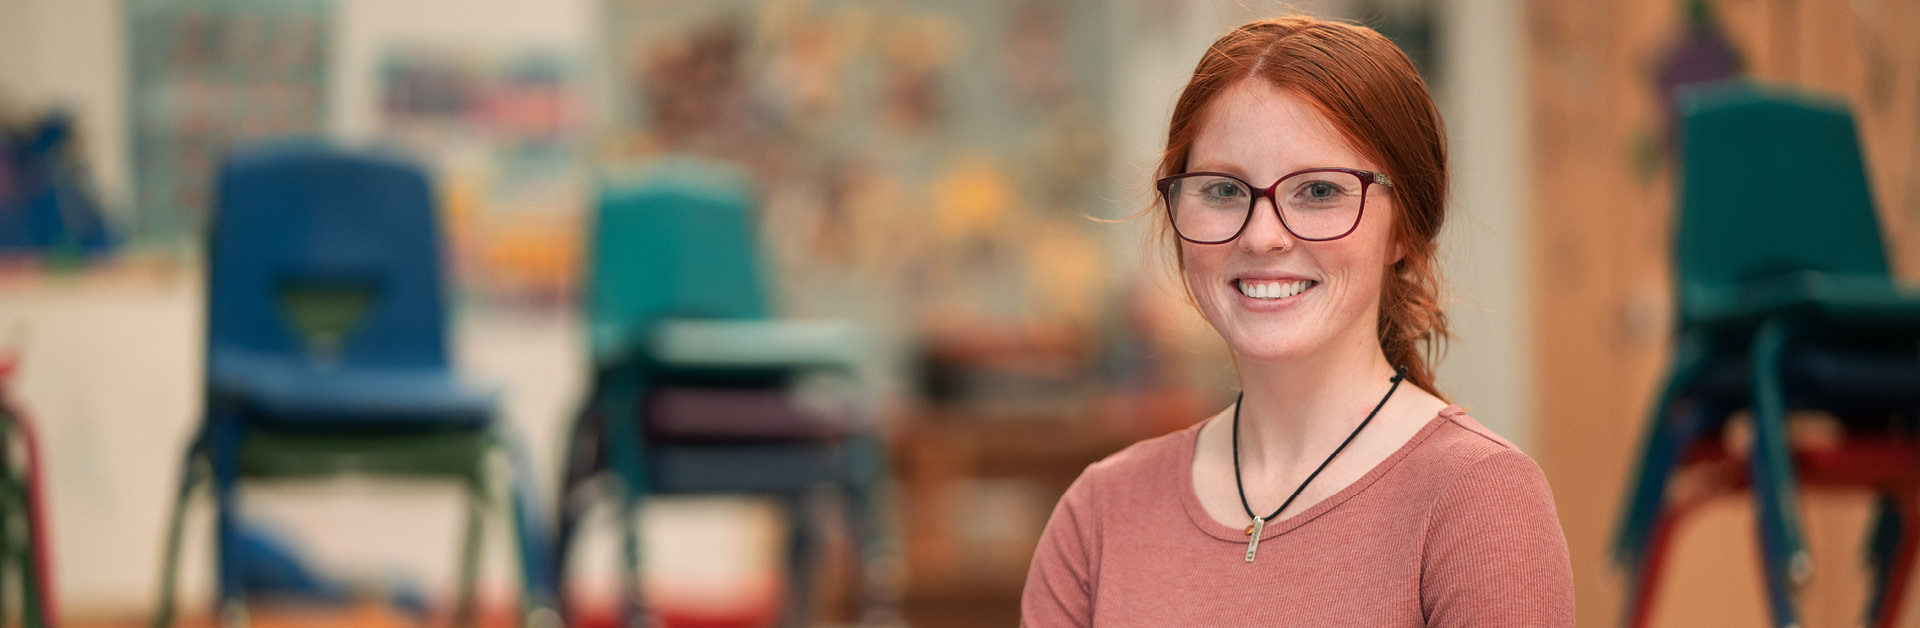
pixel 1264 231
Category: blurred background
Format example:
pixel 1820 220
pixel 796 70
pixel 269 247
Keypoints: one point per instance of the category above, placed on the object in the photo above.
pixel 959 180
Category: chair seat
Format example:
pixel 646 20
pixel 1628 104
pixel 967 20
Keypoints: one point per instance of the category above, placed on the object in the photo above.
pixel 818 344
pixel 1840 380
pixel 1836 298
pixel 309 452
pixel 771 468
pixel 737 414
pixel 292 394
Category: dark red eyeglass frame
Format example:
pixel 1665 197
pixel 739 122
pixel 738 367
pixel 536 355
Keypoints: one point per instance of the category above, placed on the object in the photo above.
pixel 1367 179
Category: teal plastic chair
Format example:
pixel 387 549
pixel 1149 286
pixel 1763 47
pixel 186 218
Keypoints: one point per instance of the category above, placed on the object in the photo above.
pixel 694 380
pixel 1784 302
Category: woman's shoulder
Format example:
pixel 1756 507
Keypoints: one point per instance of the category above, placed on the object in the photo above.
pixel 1141 467
pixel 1151 456
pixel 1456 449
pixel 1457 442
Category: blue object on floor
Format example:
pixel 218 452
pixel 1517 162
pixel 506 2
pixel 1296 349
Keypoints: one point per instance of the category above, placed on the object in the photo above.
pixel 274 568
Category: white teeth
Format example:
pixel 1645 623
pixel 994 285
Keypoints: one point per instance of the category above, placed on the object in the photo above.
pixel 1273 289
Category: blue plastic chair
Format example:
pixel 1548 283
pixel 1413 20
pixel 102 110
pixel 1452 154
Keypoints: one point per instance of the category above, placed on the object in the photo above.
pixel 1784 302
pixel 327 354
pixel 693 379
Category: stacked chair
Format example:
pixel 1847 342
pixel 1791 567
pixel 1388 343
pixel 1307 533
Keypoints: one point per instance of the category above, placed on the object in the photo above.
pixel 327 355
pixel 1784 303
pixel 24 563
pixel 697 390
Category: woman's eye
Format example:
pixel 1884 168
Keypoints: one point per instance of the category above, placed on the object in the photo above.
pixel 1223 190
pixel 1320 192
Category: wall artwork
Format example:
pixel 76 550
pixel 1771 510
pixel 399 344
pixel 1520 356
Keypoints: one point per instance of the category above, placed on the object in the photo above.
pixel 205 76
pixel 500 130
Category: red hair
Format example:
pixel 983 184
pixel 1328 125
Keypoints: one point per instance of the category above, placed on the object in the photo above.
pixel 1369 90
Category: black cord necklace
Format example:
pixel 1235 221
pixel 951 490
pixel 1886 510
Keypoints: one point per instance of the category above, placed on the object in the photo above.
pixel 1259 522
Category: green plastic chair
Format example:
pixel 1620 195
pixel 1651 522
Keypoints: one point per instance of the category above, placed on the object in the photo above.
pixel 1784 301
pixel 693 378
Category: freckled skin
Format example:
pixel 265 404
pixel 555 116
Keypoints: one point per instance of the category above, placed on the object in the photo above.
pixel 1260 133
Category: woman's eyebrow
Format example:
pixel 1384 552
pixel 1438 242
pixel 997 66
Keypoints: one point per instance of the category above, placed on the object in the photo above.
pixel 1208 166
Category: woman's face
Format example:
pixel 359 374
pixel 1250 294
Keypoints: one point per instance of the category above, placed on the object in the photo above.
pixel 1261 133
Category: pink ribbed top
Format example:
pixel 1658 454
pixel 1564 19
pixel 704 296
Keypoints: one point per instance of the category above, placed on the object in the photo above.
pixel 1456 528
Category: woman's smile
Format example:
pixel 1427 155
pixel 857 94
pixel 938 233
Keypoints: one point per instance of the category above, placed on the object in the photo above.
pixel 1262 294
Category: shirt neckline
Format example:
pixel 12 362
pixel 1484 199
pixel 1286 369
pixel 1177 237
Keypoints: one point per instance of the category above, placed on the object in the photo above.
pixel 1190 500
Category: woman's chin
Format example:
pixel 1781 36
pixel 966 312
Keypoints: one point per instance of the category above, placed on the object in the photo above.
pixel 1269 351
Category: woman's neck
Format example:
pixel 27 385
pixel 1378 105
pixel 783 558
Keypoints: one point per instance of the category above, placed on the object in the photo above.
pixel 1302 409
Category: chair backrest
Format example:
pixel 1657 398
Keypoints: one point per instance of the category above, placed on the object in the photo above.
pixel 675 238
pixel 1772 184
pixel 326 255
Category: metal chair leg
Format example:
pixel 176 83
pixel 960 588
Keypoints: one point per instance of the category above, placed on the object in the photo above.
pixel 538 597
pixel 1667 436
pixel 38 608
pixel 574 501
pixel 191 475
pixel 1882 541
pixel 625 455
pixel 466 606
pixel 1782 543
pixel 876 548
pixel 11 556
pixel 223 457
pixel 32 588
pixel 1644 583
pixel 803 561
pixel 633 609
pixel 1894 568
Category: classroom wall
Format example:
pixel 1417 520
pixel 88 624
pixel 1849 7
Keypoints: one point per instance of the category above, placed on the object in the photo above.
pixel 1489 368
pixel 68 53
pixel 1598 244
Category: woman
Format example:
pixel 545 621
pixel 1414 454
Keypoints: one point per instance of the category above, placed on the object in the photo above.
pixel 1304 181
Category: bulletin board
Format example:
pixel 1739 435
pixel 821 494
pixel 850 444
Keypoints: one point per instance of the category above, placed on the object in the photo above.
pixel 205 76
pixel 944 156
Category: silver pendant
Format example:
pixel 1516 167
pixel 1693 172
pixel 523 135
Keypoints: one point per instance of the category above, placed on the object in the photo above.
pixel 1253 545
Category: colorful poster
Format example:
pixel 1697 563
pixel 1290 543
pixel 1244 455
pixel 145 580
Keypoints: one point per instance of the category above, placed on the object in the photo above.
pixel 205 76
pixel 941 157
pixel 499 129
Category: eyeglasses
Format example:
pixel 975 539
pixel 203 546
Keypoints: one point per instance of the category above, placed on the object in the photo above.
pixel 1316 204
